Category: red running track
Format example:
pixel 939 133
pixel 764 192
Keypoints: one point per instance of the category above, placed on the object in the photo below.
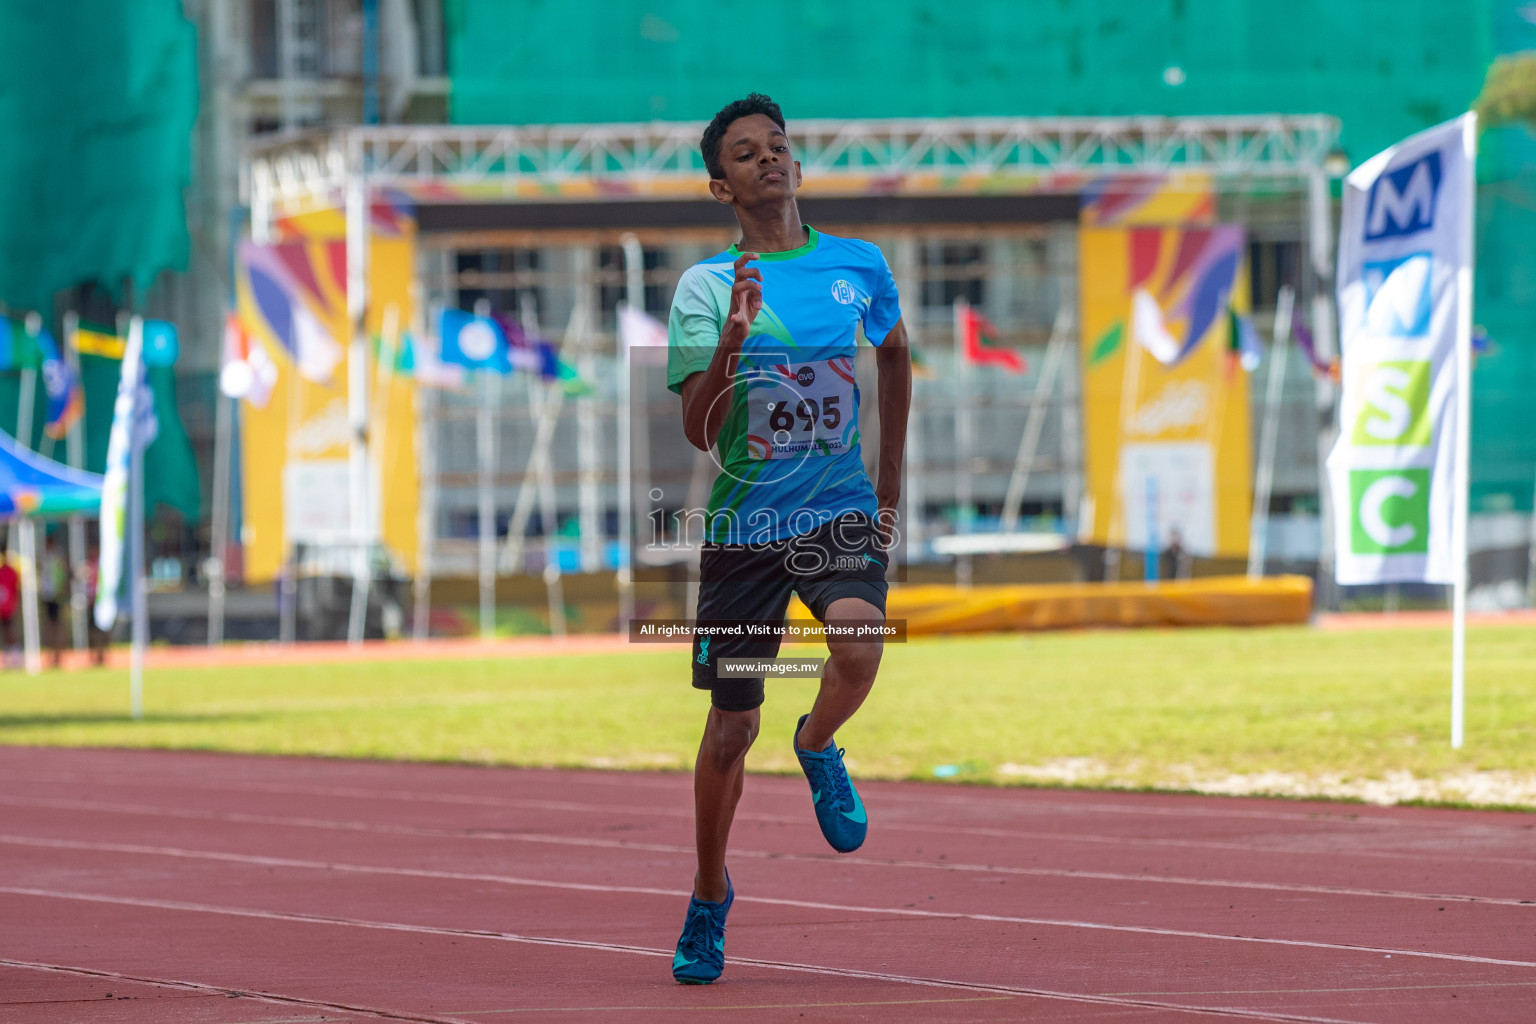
pixel 167 887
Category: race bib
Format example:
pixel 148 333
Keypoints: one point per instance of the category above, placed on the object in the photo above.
pixel 799 409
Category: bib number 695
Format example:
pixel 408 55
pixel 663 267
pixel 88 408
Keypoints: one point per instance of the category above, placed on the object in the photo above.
pixel 807 409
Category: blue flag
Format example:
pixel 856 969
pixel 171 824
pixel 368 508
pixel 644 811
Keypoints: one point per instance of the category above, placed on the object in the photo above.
pixel 8 359
pixel 473 342
pixel 66 401
pixel 160 344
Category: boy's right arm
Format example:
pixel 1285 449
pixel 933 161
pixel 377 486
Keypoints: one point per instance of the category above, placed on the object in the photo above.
pixel 703 409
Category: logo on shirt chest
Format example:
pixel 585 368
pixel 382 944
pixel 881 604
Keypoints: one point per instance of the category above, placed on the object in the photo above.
pixel 844 292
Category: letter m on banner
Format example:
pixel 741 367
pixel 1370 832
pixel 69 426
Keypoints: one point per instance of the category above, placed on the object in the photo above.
pixel 1402 201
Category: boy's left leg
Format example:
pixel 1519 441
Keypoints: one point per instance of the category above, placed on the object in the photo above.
pixel 718 774
pixel 849 592
pixel 849 675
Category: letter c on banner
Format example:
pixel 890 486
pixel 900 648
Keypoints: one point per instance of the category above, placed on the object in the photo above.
pixel 1371 519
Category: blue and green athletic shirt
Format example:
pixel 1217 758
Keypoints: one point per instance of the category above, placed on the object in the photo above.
pixel 789 447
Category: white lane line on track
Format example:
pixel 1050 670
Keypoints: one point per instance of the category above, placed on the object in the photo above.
pixel 227 991
pixel 622 811
pixel 639 890
pixel 782 965
pixel 877 862
pixel 1366 815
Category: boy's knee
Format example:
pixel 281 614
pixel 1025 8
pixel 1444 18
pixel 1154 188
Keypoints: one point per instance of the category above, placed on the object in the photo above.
pixel 730 735
pixel 857 662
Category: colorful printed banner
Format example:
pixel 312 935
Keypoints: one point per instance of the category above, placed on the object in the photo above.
pixel 1166 416
pixel 292 307
pixel 1405 263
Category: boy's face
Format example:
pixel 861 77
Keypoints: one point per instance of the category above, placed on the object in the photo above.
pixel 758 165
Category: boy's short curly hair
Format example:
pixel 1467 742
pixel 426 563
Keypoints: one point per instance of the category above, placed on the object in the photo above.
pixel 714 134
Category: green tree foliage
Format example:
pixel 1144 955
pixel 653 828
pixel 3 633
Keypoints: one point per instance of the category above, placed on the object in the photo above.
pixel 1509 92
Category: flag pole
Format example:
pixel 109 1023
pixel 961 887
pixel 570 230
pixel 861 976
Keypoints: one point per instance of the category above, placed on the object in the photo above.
pixel 357 212
pixel 34 326
pixel 1039 404
pixel 1325 341
pixel 139 623
pixel 288 583
pixel 378 430
pixel 219 529
pixel 1274 391
pixel 634 296
pixel 963 482
pixel 74 452
pixel 550 398
pixel 912 467
pixel 1462 466
pixel 588 469
pixel 32 652
pixel 485 452
pixel 426 511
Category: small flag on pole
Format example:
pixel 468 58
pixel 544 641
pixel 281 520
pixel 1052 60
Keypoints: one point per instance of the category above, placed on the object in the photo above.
pixel 1149 330
pixel 473 342
pixel 161 345
pixel 979 344
pixel 91 341
pixel 1244 341
pixel 66 400
pixel 553 368
pixel 248 372
pixel 641 330
pixel 315 350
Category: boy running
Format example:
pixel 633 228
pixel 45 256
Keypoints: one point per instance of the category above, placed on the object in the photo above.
pixel 762 345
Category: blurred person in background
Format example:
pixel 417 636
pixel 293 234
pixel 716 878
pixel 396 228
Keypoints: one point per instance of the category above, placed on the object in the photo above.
pixel 86 574
pixel 10 599
pixel 53 590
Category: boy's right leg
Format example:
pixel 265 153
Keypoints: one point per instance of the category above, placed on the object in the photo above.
pixel 717 779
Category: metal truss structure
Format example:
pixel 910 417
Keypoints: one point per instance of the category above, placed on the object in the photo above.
pixel 646 160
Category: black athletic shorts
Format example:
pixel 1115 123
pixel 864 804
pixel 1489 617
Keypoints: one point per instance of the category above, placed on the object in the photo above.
pixel 752 583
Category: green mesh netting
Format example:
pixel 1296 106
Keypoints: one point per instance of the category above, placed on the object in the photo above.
pixel 97 102
pixel 1385 69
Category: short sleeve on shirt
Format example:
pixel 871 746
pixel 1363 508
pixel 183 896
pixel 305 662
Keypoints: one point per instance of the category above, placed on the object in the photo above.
pixel 884 304
pixel 693 329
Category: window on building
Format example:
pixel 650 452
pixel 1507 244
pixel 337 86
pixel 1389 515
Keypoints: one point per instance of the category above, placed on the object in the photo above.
pixel 1272 265
pixel 614 288
pixel 953 271
pixel 509 279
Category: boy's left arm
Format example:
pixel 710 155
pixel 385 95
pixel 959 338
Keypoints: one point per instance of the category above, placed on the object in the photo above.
pixel 893 359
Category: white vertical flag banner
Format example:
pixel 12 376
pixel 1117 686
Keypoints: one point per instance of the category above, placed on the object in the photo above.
pixel 132 415
pixel 1405 316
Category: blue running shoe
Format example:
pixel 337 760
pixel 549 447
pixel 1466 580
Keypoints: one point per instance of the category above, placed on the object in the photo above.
pixel 700 955
pixel 839 811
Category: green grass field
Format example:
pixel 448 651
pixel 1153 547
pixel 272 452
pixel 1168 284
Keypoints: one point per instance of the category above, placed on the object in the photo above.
pixel 1288 710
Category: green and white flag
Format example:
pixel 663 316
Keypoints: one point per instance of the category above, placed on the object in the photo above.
pixel 1405 297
